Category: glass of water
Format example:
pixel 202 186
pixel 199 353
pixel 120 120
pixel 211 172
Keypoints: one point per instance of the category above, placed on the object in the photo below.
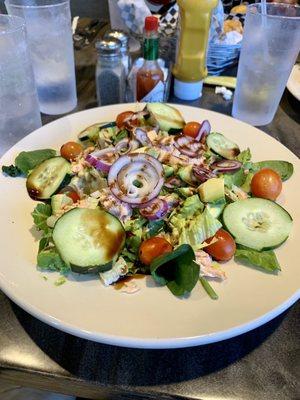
pixel 19 109
pixel 271 44
pixel 48 24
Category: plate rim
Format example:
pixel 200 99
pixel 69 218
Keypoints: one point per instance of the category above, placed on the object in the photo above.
pixel 148 343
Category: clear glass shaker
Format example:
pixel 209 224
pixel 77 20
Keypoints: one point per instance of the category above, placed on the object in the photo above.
pixel 123 38
pixel 110 73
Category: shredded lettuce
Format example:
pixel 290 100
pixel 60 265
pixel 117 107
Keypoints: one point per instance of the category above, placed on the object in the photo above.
pixel 244 156
pixel 200 228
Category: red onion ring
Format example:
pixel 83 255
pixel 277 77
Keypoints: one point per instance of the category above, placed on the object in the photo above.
pixel 173 183
pixel 103 159
pixel 202 173
pixel 188 146
pixel 141 135
pixel 136 178
pixel 226 166
pixel 204 130
pixel 155 209
pixel 126 145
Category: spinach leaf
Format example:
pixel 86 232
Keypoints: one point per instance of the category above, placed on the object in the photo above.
pixel 50 260
pixel 11 170
pixel 265 259
pixel 154 227
pixel 284 168
pixel 40 214
pixel 27 160
pixel 177 270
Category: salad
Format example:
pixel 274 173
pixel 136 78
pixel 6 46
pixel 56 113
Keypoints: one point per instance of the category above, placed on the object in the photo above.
pixel 152 194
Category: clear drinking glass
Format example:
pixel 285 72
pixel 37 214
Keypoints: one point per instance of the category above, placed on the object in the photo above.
pixel 19 109
pixel 270 47
pixel 48 24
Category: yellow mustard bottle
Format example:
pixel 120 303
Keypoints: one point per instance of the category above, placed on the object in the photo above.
pixel 190 68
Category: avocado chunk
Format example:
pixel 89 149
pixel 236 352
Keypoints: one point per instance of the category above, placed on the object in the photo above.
pixel 212 190
pixel 185 192
pixel 168 170
pixel 186 175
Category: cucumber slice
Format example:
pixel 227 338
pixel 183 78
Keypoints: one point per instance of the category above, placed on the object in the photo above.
pixel 223 146
pixel 47 177
pixel 92 132
pixel 168 118
pixel 88 239
pixel 257 223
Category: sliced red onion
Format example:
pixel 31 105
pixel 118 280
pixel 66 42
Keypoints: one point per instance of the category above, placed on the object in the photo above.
pixel 188 146
pixel 141 135
pixel 103 159
pixel 136 178
pixel 226 166
pixel 155 209
pixel 171 200
pixel 202 173
pixel 203 131
pixel 126 145
pixel 173 182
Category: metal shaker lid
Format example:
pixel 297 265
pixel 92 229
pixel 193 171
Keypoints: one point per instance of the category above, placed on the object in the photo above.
pixel 119 35
pixel 108 47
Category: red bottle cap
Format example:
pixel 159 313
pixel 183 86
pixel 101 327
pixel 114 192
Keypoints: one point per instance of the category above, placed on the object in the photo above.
pixel 151 23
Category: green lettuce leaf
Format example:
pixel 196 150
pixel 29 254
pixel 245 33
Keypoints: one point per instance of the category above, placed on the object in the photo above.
pixel 40 214
pixel 237 178
pixel 264 259
pixel 177 270
pixel 283 168
pixel 198 229
pixel 244 156
pixel 190 206
pixel 27 160
pixel 50 260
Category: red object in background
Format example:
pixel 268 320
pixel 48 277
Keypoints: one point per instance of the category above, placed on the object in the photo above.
pixel 151 23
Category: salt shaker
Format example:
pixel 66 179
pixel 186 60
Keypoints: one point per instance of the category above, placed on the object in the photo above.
pixel 110 73
pixel 121 35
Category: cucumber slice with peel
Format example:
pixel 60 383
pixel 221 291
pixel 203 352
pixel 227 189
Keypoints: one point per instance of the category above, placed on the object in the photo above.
pixel 222 146
pixel 88 239
pixel 257 223
pixel 47 178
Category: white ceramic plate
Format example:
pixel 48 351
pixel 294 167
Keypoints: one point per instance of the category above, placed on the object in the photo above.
pixel 152 318
pixel 293 84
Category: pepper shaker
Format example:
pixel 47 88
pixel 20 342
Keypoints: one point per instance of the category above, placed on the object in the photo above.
pixel 110 73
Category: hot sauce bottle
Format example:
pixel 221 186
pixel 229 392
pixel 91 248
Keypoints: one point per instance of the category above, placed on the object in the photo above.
pixel 150 77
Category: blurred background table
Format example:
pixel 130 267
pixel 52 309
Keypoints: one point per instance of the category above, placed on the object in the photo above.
pixel 262 364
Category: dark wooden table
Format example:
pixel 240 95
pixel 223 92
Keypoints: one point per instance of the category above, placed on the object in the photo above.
pixel 261 365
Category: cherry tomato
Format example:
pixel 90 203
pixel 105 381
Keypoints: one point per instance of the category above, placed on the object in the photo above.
pixel 267 184
pixel 152 248
pixel 121 119
pixel 191 129
pixel 70 192
pixel 71 150
pixel 224 248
